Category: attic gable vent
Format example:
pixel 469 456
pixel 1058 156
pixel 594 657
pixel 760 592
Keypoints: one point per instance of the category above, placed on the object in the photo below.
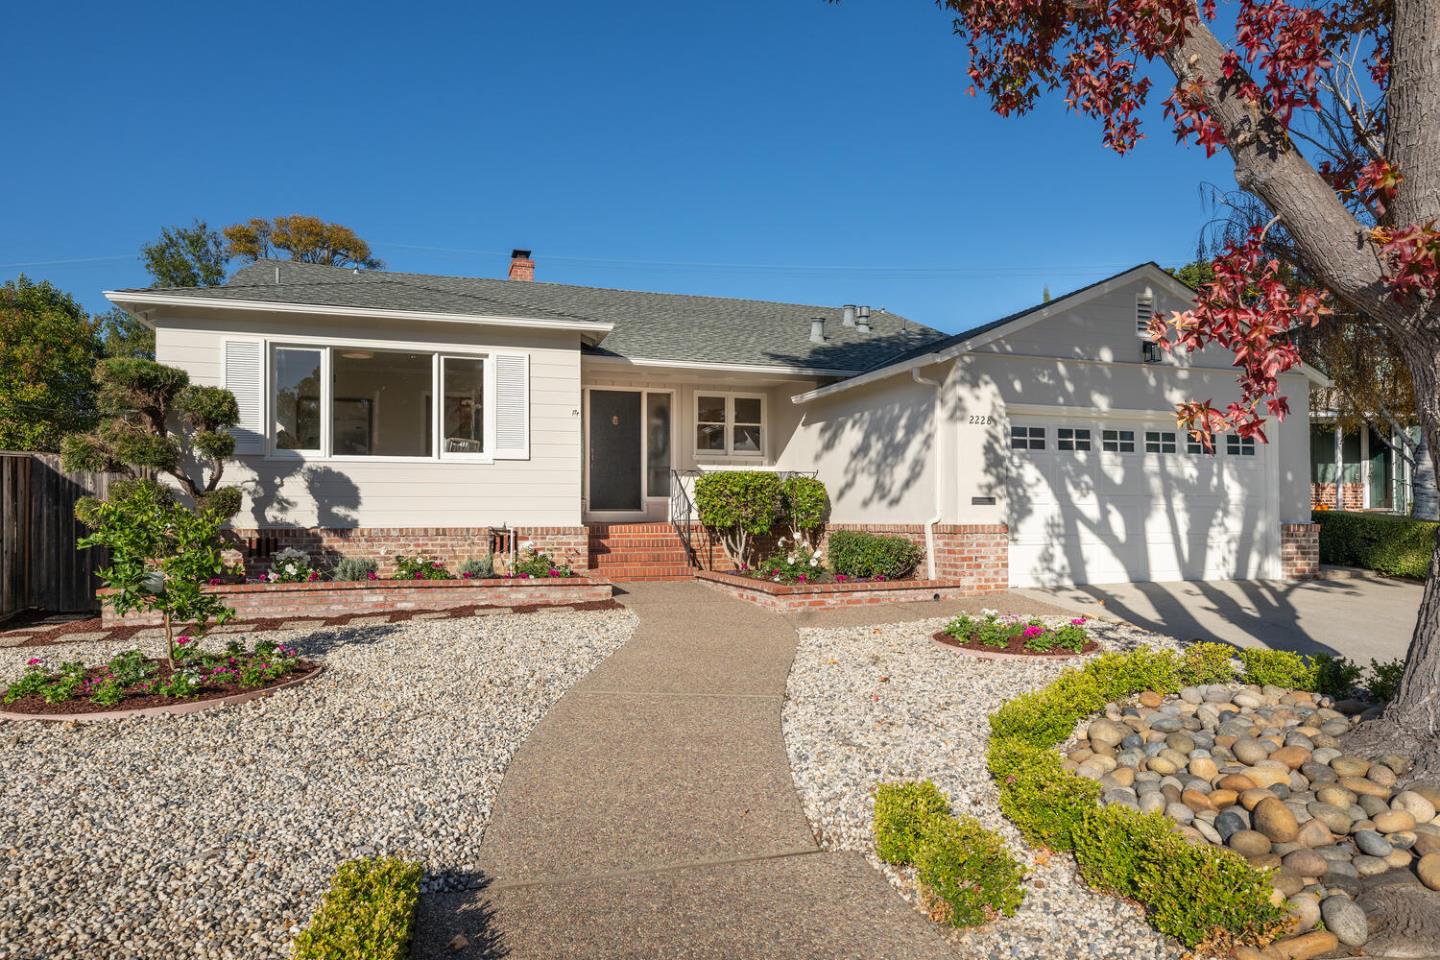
pixel 1144 312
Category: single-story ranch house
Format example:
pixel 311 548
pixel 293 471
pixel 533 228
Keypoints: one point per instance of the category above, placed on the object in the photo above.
pixel 387 413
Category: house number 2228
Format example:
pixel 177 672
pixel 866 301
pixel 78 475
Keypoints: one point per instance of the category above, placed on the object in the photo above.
pixel 980 420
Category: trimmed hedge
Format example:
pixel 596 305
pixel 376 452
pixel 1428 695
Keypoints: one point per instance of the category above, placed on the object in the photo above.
pixel 1394 546
pixel 367 914
pixel 967 873
pixel 856 553
pixel 1194 892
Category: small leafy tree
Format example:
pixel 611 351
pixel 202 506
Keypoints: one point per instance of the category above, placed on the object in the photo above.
pixel 807 506
pixel 158 423
pixel 192 256
pixel 739 505
pixel 162 553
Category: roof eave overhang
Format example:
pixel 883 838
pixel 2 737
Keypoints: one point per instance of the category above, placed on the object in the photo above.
pixel 721 367
pixel 144 304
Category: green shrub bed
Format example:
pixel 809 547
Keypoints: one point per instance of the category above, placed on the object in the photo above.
pixel 367 914
pixel 1198 894
pixel 1394 546
pixel 965 871
pixel 862 555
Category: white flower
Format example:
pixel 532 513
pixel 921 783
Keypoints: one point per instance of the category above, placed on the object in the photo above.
pixel 814 561
pixel 790 558
pixel 988 612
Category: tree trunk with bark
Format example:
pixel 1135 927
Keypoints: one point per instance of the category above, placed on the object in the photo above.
pixel 1424 497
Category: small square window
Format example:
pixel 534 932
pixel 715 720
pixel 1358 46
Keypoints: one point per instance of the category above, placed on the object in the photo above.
pixel 1072 438
pixel 1238 446
pixel 1027 438
pixel 1195 446
pixel 1117 441
pixel 1157 441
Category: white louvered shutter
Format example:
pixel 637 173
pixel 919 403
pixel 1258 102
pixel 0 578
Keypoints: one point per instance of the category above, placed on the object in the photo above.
pixel 512 406
pixel 244 376
pixel 1144 311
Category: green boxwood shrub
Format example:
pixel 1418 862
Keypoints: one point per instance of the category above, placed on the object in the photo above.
pixel 856 553
pixel 1194 892
pixel 1209 662
pixel 968 869
pixel 1279 668
pixel 1395 546
pixel 367 914
pixel 806 505
pixel 1384 681
pixel 902 811
pixel 739 505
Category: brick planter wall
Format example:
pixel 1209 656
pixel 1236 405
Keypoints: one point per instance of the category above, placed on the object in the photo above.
pixel 453 545
pixel 1299 551
pixel 268 601
pixel 799 596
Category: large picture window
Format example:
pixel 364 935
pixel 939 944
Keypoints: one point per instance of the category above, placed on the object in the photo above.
pixel 382 403
pixel 360 401
pixel 730 424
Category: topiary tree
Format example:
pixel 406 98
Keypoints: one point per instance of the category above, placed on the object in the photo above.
pixel 807 507
pixel 155 422
pixel 162 554
pixel 739 505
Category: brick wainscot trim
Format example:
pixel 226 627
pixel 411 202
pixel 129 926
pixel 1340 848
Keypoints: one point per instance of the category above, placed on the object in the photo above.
pixel 1299 551
pixel 807 596
pixel 976 556
pixel 453 545
pixel 322 599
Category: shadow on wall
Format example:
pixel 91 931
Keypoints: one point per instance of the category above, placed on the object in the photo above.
pixel 336 497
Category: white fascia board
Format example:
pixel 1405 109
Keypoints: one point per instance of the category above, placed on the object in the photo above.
pixel 125 298
pixel 720 367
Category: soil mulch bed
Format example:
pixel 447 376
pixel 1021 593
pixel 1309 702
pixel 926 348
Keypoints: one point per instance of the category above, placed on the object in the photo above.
pixel 1016 647
pixel 34 704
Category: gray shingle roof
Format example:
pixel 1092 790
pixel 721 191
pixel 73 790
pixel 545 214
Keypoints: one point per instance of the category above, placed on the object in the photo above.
pixel 658 326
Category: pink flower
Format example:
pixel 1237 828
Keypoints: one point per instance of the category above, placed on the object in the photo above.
pixel 524 576
pixel 554 572
pixel 1078 621
pixel 214 581
pixel 314 575
pixel 182 640
pixel 802 578
pixel 1033 631
pixel 841 578
pixel 467 575
pixel 419 576
pixel 372 575
pixel 878 576
pixel 34 662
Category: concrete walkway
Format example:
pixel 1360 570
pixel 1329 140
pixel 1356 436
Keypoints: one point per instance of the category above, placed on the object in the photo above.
pixel 652 814
pixel 1360 617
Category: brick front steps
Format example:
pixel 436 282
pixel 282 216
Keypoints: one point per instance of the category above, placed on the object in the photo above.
pixel 267 601
pixel 800 596
pixel 638 551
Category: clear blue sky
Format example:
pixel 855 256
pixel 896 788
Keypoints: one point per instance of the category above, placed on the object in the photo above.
pixel 779 149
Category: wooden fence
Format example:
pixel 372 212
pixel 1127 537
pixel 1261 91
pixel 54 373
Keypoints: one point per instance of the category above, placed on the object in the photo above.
pixel 40 567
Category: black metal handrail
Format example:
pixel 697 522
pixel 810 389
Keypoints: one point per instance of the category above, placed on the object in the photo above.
pixel 682 512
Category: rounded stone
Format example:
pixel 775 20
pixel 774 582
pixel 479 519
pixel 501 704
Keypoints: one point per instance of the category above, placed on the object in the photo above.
pixel 1229 823
pixel 1207 831
pixel 1196 801
pixel 1249 751
pixel 1318 773
pixel 1395 761
pixel 1108 732
pixel 1383 775
pixel 1393 821
pixel 1152 802
pixel 1275 820
pixel 1373 806
pixel 1162 765
pixel 1180 742
pixel 1344 918
pixel 1414 804
pixel 1305 908
pixel 1336 796
pixel 1347 766
pixel 1428 870
pixel 1249 843
pixel 1179 812
pixel 1372 843
pixel 1251 798
pixel 1204 768
pixel 1237 782
pixel 1223 798
pixel 1314 834
pixel 1292 757
pixel 1363 787
pixel 1306 863
pixel 1426 844
pixel 1399 859
pixel 1268 773
pixel 1332 816
pixel 1287 882
pixel 1368 866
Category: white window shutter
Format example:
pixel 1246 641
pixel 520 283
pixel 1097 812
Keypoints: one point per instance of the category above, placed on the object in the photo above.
pixel 512 406
pixel 244 376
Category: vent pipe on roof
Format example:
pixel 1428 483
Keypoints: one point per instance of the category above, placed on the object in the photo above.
pixel 848 317
pixel 277 276
pixel 817 329
pixel 862 322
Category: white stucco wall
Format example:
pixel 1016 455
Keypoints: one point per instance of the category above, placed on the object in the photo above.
pixel 311 491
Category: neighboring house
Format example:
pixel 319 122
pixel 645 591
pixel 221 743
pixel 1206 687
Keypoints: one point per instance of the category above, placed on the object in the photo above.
pixel 1371 475
pixel 390 412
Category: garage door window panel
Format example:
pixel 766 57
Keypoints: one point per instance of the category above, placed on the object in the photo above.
pixel 1238 446
pixel 1072 438
pixel 1027 438
pixel 1158 441
pixel 1117 441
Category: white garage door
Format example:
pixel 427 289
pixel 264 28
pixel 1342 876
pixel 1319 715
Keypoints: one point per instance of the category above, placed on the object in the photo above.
pixel 1112 500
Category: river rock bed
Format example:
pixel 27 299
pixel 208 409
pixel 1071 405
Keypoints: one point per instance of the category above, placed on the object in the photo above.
pixel 1260 770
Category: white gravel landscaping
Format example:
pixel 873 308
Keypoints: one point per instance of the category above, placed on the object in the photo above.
pixel 872 704
pixel 213 835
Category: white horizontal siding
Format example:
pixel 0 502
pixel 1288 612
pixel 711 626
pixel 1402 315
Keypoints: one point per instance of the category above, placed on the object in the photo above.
pixel 543 490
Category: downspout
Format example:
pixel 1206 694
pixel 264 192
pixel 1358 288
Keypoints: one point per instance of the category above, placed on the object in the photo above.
pixel 939 469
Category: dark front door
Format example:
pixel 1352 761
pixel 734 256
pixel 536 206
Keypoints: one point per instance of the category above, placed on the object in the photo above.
pixel 615 467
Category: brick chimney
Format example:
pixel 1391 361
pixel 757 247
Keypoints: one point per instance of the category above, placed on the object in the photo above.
pixel 521 266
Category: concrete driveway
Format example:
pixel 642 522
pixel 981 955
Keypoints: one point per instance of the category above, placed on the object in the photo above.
pixel 1362 617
